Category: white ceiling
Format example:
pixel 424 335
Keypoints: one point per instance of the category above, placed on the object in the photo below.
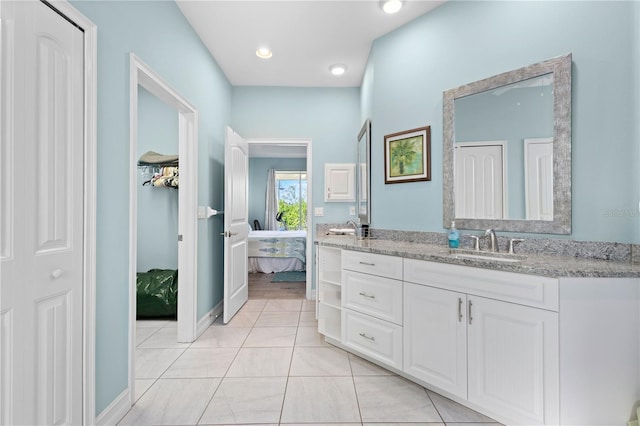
pixel 306 37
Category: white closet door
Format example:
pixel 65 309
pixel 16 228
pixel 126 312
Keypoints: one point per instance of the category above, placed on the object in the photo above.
pixel 42 216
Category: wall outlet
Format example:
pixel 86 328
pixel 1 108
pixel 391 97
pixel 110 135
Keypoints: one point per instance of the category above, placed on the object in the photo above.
pixel 352 210
pixel 318 211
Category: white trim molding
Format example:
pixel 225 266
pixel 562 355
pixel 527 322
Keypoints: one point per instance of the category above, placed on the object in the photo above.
pixel 208 319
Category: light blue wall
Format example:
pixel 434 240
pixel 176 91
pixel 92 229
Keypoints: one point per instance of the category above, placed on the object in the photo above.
pixel 157 206
pixel 328 116
pixel 258 168
pixel 461 42
pixel 160 35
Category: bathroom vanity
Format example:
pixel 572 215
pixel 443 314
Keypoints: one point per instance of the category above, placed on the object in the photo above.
pixel 541 340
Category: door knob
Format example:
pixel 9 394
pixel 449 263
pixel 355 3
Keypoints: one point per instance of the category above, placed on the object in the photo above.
pixel 56 273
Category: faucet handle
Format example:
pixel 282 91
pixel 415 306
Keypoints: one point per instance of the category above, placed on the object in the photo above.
pixel 512 243
pixel 476 241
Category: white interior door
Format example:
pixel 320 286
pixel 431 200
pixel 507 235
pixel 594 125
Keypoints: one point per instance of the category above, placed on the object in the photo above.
pixel 42 216
pixel 538 183
pixel 236 223
pixel 479 180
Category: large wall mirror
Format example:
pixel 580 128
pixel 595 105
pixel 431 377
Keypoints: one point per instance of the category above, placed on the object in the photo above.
pixel 507 151
pixel 363 175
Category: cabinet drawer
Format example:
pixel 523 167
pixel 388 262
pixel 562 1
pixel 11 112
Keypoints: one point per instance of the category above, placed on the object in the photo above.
pixel 375 264
pixel 373 295
pixel 530 290
pixel 380 340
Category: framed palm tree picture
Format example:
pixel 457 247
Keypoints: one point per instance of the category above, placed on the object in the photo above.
pixel 407 156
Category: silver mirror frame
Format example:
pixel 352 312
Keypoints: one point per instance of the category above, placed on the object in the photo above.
pixel 364 136
pixel 561 223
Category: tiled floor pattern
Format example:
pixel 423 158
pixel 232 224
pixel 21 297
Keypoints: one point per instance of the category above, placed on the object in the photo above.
pixel 270 366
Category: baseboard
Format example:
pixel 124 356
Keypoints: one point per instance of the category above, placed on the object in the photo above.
pixel 208 319
pixel 115 411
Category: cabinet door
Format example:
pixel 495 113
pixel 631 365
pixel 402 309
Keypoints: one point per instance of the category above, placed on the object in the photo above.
pixel 435 346
pixel 513 360
pixel 339 182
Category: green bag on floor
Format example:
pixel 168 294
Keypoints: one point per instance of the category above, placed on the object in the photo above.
pixel 157 293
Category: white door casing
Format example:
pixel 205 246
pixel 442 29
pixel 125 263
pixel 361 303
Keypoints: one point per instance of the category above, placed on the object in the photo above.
pixel 236 223
pixel 479 172
pixel 48 199
pixel 140 74
pixel 538 178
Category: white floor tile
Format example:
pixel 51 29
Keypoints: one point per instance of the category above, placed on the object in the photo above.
pixel 246 400
pixel 222 337
pixel 309 336
pixel 261 362
pixel 362 367
pixel 152 323
pixel 393 399
pixel 151 363
pixel 283 305
pixel 254 305
pixel 142 385
pixel 308 319
pixel 277 319
pixel 143 333
pixel 308 305
pixel 172 402
pixel 241 319
pixel 451 411
pixel 202 362
pixel 271 337
pixel 320 400
pixel 164 338
pixel 320 361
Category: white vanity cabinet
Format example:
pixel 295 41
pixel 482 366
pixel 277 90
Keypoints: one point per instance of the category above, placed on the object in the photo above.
pixel 372 306
pixel 500 355
pixel 499 342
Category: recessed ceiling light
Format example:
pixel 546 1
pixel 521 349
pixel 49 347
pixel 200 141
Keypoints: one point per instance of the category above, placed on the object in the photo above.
pixel 338 69
pixel 391 6
pixel 264 53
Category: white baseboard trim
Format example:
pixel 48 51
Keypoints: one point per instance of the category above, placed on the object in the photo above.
pixel 208 319
pixel 111 415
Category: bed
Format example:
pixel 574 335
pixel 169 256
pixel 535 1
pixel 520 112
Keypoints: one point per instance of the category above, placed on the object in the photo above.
pixel 277 251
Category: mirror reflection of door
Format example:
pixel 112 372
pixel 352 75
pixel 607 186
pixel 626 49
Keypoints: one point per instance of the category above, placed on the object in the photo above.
pixel 538 183
pixel 479 180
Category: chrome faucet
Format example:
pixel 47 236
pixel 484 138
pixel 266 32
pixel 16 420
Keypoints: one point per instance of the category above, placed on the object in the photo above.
pixel 493 241
pixel 353 223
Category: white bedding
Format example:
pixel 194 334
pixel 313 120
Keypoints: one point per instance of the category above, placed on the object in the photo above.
pixel 277 251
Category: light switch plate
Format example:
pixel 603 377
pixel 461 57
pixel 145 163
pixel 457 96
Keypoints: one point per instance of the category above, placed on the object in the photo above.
pixel 318 211
pixel 352 210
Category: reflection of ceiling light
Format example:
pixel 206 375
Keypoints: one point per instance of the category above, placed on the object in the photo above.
pixel 391 6
pixel 338 69
pixel 264 53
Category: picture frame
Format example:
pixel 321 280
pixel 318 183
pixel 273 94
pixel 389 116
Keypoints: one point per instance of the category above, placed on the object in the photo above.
pixel 407 156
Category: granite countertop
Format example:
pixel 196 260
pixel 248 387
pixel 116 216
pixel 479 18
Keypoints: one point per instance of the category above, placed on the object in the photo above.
pixel 533 264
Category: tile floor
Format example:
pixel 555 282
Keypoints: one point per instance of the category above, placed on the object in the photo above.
pixel 270 366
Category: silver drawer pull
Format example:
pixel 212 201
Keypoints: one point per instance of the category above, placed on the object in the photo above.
pixel 459 309
pixel 373 339
pixel 367 263
pixel 367 295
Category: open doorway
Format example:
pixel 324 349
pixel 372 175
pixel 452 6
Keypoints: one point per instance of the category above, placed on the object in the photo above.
pixel 177 199
pixel 280 250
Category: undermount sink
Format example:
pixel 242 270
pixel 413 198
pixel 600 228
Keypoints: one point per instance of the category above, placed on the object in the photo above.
pixel 486 256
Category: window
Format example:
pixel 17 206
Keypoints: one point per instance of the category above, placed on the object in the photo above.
pixel 292 199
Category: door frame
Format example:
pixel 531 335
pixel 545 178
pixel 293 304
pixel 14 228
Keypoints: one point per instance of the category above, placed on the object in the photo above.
pixel 142 75
pixel 309 245
pixel 90 110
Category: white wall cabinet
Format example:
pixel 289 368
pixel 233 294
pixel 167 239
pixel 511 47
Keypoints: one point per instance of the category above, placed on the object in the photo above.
pixel 339 182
